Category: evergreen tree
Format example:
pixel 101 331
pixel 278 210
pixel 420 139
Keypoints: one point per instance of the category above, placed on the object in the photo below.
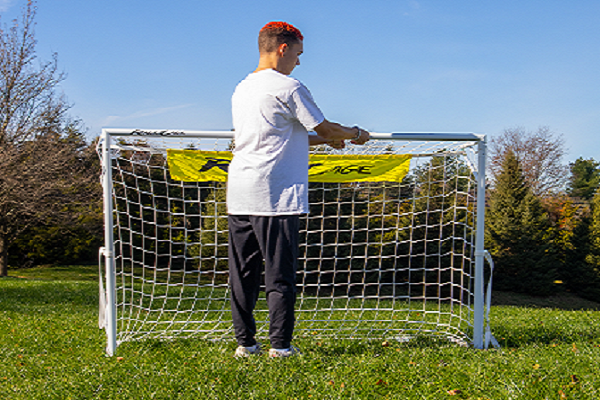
pixel 584 179
pixel 434 228
pixel 592 289
pixel 580 273
pixel 518 234
pixel 570 231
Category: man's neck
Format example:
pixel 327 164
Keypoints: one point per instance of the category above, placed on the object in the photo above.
pixel 267 61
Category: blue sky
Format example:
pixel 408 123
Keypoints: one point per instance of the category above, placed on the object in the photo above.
pixel 390 66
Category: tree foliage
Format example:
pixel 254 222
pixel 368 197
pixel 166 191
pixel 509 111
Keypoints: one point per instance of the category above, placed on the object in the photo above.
pixel 540 155
pixel 593 257
pixel 436 233
pixel 518 234
pixel 46 169
pixel 571 235
pixel 584 179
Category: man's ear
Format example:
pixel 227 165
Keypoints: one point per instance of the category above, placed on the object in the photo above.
pixel 282 49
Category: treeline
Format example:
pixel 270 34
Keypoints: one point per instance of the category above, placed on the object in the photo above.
pixel 542 225
pixel 49 187
pixel 543 218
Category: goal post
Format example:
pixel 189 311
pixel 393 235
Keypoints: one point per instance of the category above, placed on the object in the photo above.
pixel 397 257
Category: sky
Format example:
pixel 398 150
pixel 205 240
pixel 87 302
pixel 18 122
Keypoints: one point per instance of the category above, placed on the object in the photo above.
pixel 389 66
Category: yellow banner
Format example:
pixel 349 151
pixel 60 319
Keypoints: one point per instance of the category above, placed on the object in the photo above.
pixel 205 166
pixel 357 168
pixel 198 166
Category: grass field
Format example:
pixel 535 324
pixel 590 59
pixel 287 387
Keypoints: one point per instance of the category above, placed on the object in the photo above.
pixel 51 348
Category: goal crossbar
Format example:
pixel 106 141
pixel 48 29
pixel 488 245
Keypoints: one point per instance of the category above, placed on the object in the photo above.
pixel 378 260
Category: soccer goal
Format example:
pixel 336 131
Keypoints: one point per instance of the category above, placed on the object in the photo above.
pixel 392 247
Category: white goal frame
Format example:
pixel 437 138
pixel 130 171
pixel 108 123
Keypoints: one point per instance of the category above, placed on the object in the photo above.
pixel 477 307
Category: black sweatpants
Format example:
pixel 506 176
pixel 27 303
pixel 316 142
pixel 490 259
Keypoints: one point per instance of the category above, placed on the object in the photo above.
pixel 274 240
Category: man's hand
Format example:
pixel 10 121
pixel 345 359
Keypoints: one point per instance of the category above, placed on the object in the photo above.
pixel 363 138
pixel 337 144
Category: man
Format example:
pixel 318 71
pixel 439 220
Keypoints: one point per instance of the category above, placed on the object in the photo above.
pixel 267 188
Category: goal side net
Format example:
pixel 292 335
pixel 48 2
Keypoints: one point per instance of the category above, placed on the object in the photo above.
pixel 392 255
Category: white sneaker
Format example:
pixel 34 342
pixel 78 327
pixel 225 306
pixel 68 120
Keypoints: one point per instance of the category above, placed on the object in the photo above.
pixel 242 351
pixel 292 351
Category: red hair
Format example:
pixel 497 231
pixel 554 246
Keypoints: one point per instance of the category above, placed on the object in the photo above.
pixel 275 33
pixel 283 26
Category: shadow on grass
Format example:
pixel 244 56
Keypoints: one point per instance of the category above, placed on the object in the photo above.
pixel 560 301
pixel 19 294
pixel 86 272
pixel 528 336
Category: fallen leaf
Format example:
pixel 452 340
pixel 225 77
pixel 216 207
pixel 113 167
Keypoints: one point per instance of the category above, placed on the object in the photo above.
pixel 381 382
pixel 562 394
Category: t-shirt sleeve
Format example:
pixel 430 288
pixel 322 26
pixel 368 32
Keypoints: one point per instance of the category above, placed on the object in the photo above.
pixel 305 109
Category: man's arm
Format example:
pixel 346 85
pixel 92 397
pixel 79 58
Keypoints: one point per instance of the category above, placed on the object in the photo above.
pixel 315 140
pixel 332 131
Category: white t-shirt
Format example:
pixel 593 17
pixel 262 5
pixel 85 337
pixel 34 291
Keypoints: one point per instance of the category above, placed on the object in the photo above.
pixel 272 114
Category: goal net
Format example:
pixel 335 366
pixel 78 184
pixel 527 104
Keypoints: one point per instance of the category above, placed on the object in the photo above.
pixel 394 256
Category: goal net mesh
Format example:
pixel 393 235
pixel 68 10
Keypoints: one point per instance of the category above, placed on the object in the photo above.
pixel 390 260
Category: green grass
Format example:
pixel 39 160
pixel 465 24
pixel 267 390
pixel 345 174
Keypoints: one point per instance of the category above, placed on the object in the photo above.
pixel 51 348
pixel 58 273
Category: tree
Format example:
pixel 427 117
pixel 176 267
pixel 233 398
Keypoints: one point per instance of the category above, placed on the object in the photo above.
pixel 434 229
pixel 46 168
pixel 540 156
pixel 593 257
pixel 571 234
pixel 584 179
pixel 518 234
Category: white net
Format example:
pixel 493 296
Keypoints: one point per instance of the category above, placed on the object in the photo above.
pixel 390 260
